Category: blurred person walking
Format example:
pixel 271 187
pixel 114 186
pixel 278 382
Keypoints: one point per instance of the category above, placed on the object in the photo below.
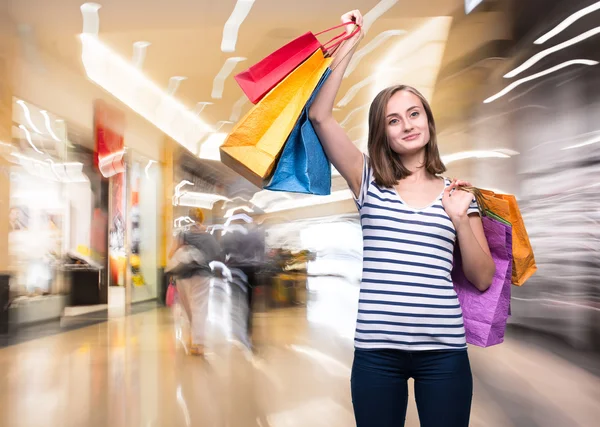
pixel 244 251
pixel 409 322
pixel 190 256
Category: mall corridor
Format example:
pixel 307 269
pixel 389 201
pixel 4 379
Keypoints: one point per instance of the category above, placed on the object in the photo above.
pixel 131 371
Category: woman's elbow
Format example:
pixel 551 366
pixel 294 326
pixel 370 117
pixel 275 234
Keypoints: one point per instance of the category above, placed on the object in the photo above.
pixel 316 116
pixel 486 277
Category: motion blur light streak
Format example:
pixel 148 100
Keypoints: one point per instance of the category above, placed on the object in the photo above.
pixel 127 83
pixel 513 85
pixel 541 55
pixel 377 12
pixel 174 83
pixel 478 154
pixel 28 138
pixel 48 125
pixel 139 53
pixel 567 22
pixel 27 113
pixel 209 149
pixel 232 26
pixel 370 47
pixel 219 81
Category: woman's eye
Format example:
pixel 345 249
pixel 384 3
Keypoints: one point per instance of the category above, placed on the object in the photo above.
pixel 414 114
pixel 393 121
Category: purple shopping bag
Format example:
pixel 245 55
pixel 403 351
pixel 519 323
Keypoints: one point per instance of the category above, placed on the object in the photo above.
pixel 485 313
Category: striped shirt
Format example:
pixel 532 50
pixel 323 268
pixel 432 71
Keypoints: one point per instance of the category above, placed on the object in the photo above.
pixel 407 299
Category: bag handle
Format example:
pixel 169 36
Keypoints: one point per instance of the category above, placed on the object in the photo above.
pixel 479 197
pixel 340 38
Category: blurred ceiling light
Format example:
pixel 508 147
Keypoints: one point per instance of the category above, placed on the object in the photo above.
pixel 335 196
pixel 91 20
pixel 513 85
pixel 28 138
pixel 478 154
pixel 232 26
pixel 540 55
pixel 583 144
pixel 353 91
pixel 243 217
pixel 422 49
pixel 48 169
pixel 209 149
pixel 106 164
pixel 139 53
pixel 219 81
pixel 264 197
pixel 181 184
pixel 177 222
pixel 470 5
pixel 199 200
pixel 231 211
pixel 174 83
pixel 567 22
pixel 28 116
pixel 128 84
pixel 344 122
pixel 49 126
pixel 200 106
pixel 177 192
pixel 148 167
pixel 236 111
pixel 374 14
pixel 232 200
pixel 222 123
pixel 370 47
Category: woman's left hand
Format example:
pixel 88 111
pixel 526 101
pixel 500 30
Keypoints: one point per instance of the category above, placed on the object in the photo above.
pixel 455 201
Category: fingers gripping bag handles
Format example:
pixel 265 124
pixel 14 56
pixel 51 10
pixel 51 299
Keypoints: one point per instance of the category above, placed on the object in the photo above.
pixel 261 78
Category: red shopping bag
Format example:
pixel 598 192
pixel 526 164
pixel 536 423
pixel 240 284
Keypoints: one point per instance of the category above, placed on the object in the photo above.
pixel 260 78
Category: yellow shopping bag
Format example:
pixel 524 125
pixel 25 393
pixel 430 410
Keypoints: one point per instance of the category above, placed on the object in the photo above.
pixel 253 146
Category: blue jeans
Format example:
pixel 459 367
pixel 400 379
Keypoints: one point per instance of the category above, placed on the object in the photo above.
pixel 443 387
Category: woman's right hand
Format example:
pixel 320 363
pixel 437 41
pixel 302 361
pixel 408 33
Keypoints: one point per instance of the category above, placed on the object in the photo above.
pixel 356 17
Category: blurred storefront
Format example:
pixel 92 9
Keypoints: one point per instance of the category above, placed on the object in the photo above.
pixel 54 190
pixel 134 204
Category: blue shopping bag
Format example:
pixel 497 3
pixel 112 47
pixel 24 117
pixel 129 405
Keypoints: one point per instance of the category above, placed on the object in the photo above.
pixel 303 166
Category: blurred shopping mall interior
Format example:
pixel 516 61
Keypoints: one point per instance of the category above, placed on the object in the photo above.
pixel 112 116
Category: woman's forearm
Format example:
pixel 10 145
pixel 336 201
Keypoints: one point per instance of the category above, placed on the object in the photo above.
pixel 478 266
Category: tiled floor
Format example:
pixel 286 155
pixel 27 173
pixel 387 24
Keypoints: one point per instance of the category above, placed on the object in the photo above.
pixel 130 372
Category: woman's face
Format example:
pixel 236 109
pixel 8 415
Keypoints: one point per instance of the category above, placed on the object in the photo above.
pixel 406 123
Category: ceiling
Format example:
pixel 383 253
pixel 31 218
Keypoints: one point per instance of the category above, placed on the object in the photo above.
pixel 185 37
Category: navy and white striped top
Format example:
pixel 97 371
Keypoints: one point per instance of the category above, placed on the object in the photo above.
pixel 407 300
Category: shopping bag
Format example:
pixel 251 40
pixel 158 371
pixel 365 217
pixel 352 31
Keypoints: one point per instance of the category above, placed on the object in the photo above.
pixel 485 313
pixel 505 206
pixel 171 294
pixel 256 141
pixel 260 78
pixel 303 166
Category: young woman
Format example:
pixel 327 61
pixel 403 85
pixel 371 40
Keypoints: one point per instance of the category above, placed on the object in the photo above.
pixel 409 320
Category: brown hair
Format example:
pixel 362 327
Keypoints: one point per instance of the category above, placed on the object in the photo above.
pixel 387 165
pixel 197 215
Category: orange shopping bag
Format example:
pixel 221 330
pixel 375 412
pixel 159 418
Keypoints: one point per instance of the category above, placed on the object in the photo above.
pixel 253 146
pixel 505 206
